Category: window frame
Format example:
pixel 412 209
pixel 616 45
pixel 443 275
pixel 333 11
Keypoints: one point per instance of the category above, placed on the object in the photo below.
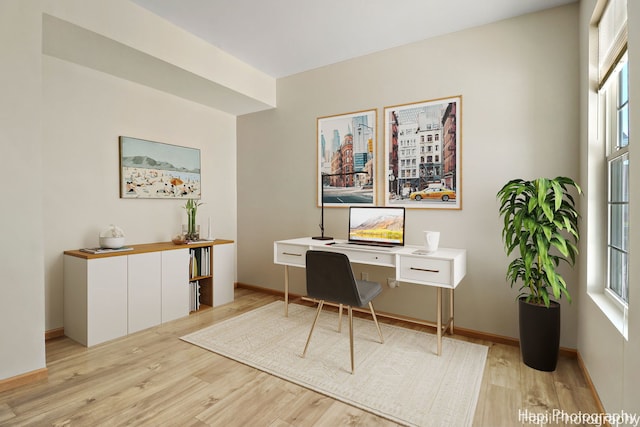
pixel 610 108
pixel 607 46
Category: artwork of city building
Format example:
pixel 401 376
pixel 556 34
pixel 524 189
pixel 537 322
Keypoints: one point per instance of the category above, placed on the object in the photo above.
pixel 346 146
pixel 423 153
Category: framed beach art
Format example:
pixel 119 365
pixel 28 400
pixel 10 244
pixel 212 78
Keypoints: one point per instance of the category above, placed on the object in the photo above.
pixel 155 170
pixel 346 145
pixel 423 152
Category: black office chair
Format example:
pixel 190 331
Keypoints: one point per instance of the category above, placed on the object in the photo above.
pixel 330 278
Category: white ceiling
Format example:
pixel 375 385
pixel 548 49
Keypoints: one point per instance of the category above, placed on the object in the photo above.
pixel 284 37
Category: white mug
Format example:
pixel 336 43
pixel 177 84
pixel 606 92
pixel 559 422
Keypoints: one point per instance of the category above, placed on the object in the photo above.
pixel 431 240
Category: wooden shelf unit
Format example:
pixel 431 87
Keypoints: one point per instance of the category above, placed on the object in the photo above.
pixel 204 279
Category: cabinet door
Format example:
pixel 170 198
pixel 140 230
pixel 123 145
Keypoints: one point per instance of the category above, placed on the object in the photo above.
pixel 106 299
pixel 144 291
pixel 175 284
pixel 223 273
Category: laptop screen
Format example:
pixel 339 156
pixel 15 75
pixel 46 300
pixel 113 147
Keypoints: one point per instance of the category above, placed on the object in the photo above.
pixel 376 225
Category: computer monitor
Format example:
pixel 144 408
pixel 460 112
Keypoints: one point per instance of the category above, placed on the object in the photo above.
pixel 382 226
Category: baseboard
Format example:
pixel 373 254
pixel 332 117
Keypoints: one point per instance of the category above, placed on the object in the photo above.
pixel 469 333
pixel 266 290
pixel 500 339
pixel 23 379
pixel 53 333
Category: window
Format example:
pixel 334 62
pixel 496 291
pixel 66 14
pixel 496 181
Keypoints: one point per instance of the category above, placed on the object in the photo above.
pixel 614 123
pixel 616 114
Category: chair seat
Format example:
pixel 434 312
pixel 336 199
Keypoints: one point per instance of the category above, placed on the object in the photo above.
pixel 368 291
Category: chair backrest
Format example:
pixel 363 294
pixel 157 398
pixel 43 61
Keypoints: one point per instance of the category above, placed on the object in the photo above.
pixel 330 277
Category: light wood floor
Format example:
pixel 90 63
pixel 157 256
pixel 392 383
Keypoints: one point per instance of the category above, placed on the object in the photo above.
pixel 152 378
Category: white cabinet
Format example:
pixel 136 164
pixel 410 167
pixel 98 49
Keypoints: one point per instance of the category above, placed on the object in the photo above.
pixel 95 299
pixel 107 296
pixel 110 297
pixel 175 284
pixel 144 297
pixel 223 274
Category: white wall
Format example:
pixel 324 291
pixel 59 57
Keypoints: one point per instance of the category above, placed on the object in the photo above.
pixel 84 113
pixel 85 110
pixel 59 125
pixel 611 361
pixel 519 93
pixel 21 252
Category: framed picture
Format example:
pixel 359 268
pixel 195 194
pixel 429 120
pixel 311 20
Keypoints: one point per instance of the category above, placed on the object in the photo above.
pixel 423 153
pixel 346 145
pixel 155 170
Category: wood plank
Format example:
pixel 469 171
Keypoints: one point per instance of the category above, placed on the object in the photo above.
pixel 500 407
pixel 339 414
pixel 573 391
pixel 153 378
pixel 539 396
pixel 6 413
pixel 503 366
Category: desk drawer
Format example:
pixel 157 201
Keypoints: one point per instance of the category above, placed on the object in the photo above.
pixel 368 257
pixel 414 269
pixel 290 254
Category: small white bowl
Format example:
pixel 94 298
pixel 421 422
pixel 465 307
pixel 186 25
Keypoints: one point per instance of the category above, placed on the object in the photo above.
pixel 111 242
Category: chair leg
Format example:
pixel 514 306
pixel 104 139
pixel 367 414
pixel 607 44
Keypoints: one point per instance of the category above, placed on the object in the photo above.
pixel 351 338
pixel 375 319
pixel 320 304
pixel 340 318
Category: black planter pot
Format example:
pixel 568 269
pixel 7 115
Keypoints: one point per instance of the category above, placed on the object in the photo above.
pixel 539 335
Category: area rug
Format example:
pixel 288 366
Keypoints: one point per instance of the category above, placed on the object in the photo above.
pixel 402 380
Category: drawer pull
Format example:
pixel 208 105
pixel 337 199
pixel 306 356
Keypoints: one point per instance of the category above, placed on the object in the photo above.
pixel 428 270
pixel 289 253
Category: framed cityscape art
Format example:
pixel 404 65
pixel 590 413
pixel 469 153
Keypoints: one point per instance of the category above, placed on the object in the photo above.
pixel 346 145
pixel 423 153
pixel 155 170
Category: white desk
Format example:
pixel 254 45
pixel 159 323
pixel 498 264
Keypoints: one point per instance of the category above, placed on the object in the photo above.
pixel 443 269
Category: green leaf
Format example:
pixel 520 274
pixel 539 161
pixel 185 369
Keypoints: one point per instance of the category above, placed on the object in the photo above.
pixel 541 221
pixel 560 243
pixel 557 194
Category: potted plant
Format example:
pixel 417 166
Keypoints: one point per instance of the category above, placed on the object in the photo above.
pixel 192 232
pixel 541 226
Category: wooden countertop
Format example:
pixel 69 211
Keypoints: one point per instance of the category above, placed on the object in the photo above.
pixel 148 247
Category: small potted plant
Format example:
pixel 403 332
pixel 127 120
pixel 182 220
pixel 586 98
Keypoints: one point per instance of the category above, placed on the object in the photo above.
pixel 192 232
pixel 541 226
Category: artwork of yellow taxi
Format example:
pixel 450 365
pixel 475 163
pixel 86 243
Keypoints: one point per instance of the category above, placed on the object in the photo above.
pixel 443 194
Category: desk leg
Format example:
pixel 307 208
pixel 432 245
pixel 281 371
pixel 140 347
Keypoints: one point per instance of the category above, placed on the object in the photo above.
pixel 286 291
pixel 439 319
pixel 451 309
